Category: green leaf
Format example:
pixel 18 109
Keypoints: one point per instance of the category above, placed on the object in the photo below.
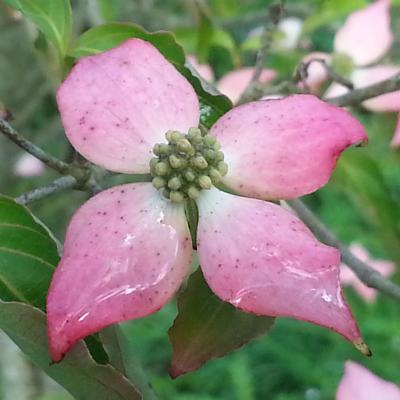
pixel 52 17
pixel 207 327
pixel 78 372
pixel 104 37
pixel 122 358
pixel 28 255
pixel 205 33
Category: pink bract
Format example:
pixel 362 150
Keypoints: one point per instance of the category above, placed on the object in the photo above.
pixel 288 147
pixel 348 277
pixel 274 265
pixel 127 249
pixel 234 83
pixel 366 36
pixel 358 383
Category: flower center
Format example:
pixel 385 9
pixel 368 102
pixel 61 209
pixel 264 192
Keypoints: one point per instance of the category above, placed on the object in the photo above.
pixel 187 164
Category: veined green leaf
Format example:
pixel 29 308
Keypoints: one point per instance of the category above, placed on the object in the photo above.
pixel 207 327
pixel 52 17
pixel 78 372
pixel 28 255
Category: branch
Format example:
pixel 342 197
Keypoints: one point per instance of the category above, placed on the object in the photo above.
pixel 56 186
pixel 365 273
pixel 275 14
pixel 19 140
pixel 357 96
pixel 301 73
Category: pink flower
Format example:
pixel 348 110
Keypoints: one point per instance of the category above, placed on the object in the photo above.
pixel 128 249
pixel 365 38
pixel 348 277
pixel 360 384
pixel 235 82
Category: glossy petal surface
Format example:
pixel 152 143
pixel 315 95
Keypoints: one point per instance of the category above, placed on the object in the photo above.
pixel 366 35
pixel 234 83
pixel 286 148
pixel 126 253
pixel 358 383
pixel 116 105
pixel 262 259
pixel 348 277
pixel 396 137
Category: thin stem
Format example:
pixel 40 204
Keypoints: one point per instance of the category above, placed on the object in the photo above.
pixel 275 14
pixel 365 273
pixel 58 185
pixel 302 72
pixel 19 140
pixel 357 96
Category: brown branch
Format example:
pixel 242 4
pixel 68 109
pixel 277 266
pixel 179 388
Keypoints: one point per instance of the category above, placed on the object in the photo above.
pixel 275 15
pixel 25 144
pixel 365 273
pixel 357 96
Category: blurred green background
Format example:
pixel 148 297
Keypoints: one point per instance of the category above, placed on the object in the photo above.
pixel 361 203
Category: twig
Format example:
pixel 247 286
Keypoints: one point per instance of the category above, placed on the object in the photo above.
pixel 56 186
pixel 357 96
pixel 365 273
pixel 31 148
pixel 275 14
pixel 301 73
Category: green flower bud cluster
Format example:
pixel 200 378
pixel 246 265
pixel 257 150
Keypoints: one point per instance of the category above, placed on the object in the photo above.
pixel 187 164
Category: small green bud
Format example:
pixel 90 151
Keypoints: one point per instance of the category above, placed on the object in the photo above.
pixel 175 137
pixel 199 162
pixel 223 168
pixel 204 182
pixel 209 154
pixel 158 182
pixel 166 193
pixel 168 135
pixel 175 161
pixel 219 156
pixel 194 136
pixel 161 168
pixel 176 197
pixel 153 163
pixel 216 146
pixel 174 183
pixel 209 140
pixel 193 192
pixel 185 146
pixel 215 175
pixel 160 149
pixel 190 176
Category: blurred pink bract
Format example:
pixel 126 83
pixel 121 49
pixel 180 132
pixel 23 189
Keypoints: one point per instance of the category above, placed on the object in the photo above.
pixel 358 383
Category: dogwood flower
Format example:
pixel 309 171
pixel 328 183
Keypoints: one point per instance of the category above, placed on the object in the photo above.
pixel 364 39
pixel 128 249
pixel 348 277
pixel 358 383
